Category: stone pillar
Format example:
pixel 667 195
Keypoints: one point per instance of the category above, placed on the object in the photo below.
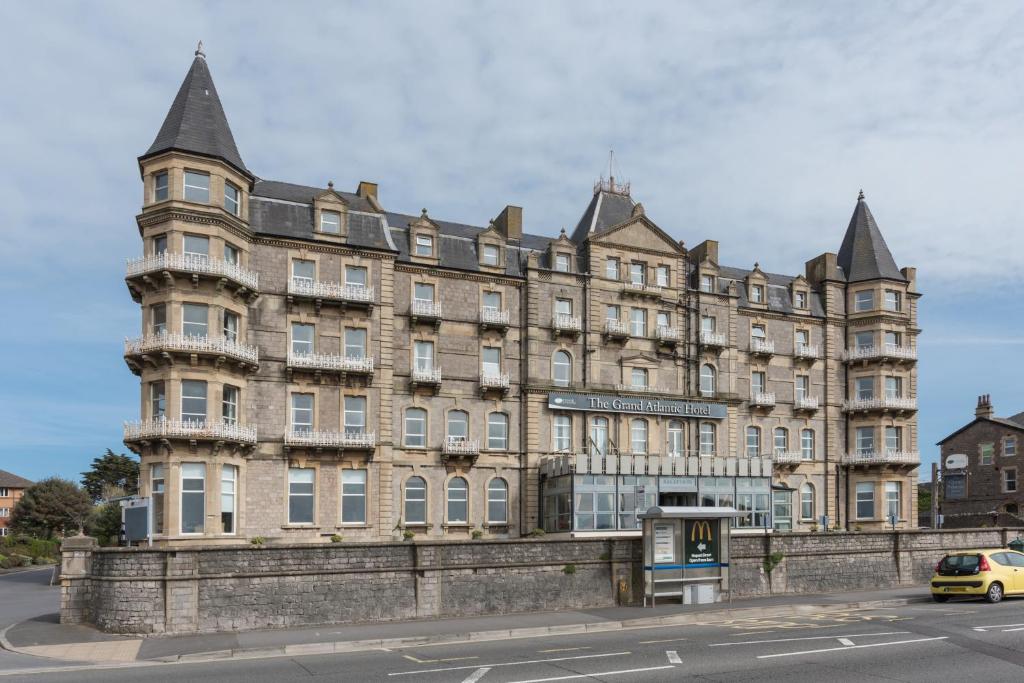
pixel 626 571
pixel 181 609
pixel 428 594
pixel 75 584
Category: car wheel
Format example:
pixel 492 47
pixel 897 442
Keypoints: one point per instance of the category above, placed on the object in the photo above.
pixel 940 598
pixel 994 592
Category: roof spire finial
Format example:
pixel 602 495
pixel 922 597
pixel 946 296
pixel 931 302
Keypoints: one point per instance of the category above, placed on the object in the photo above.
pixel 330 184
pixel 199 50
pixel 860 195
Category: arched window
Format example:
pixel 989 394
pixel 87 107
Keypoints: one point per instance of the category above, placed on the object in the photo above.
pixel 415 501
pixel 561 368
pixel 807 501
pixel 458 425
pixel 638 436
pixel 599 436
pixel 497 502
pixel 753 442
pixel 497 431
pixel 675 438
pixel 707 380
pixel 707 438
pixel 807 444
pixel 781 440
pixel 458 501
pixel 416 427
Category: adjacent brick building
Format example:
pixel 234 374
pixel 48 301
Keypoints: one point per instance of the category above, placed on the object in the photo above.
pixel 315 363
pixel 987 491
pixel 12 488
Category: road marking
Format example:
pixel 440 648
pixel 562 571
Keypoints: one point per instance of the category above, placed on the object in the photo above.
pixel 673 657
pixel 1011 630
pixel 789 640
pixel 753 633
pixel 476 675
pixel 985 628
pixel 855 647
pixel 595 675
pixel 564 649
pixel 845 641
pixel 434 661
pixel 665 640
pixel 491 666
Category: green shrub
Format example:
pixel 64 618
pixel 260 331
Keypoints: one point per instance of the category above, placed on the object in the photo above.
pixel 569 569
pixel 537 533
pixel 477 534
pixel 408 534
pixel 772 561
pixel 257 541
pixel 335 538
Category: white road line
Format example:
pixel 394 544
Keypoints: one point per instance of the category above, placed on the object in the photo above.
pixel 673 657
pixel 845 641
pixel 491 666
pixel 595 675
pixel 663 640
pixel 855 647
pixel 1010 630
pixel 476 675
pixel 985 628
pixel 789 640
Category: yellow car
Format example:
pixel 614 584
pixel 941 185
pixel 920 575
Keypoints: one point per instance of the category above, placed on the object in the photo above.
pixel 991 573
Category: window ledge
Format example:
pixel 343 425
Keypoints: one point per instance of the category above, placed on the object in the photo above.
pixel 496 525
pixel 456 525
pixel 354 525
pixel 301 526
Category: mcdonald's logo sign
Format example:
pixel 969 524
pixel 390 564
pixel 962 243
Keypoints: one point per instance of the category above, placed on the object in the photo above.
pixel 701 531
pixel 701 537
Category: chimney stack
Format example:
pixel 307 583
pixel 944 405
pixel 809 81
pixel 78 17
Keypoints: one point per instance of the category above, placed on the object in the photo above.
pixel 510 222
pixel 984 408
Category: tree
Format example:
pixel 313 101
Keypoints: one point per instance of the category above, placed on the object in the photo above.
pixel 111 476
pixel 51 507
pixel 104 523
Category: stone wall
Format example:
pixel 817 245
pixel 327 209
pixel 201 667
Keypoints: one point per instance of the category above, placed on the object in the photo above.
pixel 219 588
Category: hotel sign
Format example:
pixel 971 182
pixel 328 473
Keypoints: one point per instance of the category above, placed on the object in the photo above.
pixel 637 405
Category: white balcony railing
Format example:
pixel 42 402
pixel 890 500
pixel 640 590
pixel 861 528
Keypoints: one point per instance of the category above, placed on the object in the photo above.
pixel 616 328
pixel 330 362
pixel 457 445
pixel 642 288
pixel 569 323
pixel 886 457
pixel 764 346
pixel 806 351
pixel 762 398
pixel 788 458
pixel 189 343
pixel 492 316
pixel 328 439
pixel 426 309
pixel 494 381
pixel 805 402
pixel 333 291
pixel 879 352
pixel 666 333
pixel 712 339
pixel 426 375
pixel 189 429
pixel 689 463
pixel 193 263
pixel 884 403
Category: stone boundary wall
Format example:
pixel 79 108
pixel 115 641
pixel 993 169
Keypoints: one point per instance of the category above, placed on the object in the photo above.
pixel 222 588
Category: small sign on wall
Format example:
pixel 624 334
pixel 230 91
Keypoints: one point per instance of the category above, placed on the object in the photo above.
pixel 664 543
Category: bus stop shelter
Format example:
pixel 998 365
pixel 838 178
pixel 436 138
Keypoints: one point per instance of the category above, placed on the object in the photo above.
pixel 686 553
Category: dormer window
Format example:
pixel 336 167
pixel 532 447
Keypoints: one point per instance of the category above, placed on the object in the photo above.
pixel 197 187
pixel 424 245
pixel 707 283
pixel 864 300
pixel 757 294
pixel 562 262
pixel 231 198
pixel 330 222
pixel 160 187
pixel 490 255
pixel 800 299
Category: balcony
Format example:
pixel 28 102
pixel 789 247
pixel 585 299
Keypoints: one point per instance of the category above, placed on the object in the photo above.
pixel 616 329
pixel 147 270
pixel 712 340
pixel 492 382
pixel 807 404
pixel 493 319
pixel 762 399
pixel 324 363
pixel 788 458
pixel 427 312
pixel 563 323
pixel 884 353
pixel 458 447
pixel 809 352
pixel 426 377
pixel 882 405
pixel 761 347
pixel 684 464
pixel 189 430
pixel 328 440
pixel 668 336
pixel 887 457
pixel 642 289
pixel 164 347
pixel 344 295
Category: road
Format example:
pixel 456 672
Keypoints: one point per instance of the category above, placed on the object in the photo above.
pixel 25 595
pixel 922 642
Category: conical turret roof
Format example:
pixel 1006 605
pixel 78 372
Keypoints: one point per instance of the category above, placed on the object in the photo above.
pixel 864 254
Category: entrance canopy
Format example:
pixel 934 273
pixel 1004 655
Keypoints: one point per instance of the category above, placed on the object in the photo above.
pixel 690 512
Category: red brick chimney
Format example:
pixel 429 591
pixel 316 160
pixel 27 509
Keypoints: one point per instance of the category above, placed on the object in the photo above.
pixel 984 408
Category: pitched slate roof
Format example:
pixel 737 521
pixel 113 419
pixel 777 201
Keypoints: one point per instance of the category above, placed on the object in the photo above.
pixel 196 122
pixel 304 194
pixel 1014 422
pixel 779 298
pixel 864 254
pixel 13 481
pixel 606 210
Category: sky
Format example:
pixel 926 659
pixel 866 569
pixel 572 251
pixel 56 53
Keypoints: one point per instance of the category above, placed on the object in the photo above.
pixel 752 123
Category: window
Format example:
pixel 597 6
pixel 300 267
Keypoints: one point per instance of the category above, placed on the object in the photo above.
pixel 638 435
pixel 865 440
pixel 231 254
pixel 807 444
pixel 638 322
pixel 893 439
pixel 664 320
pixel 301 494
pixel 497 502
pixel 800 299
pixel 490 361
pixel 416 501
pixel 416 428
pixel 490 255
pixel 353 496
pixel 160 191
pixel 599 436
pixel 638 377
pixel 561 431
pixel 612 313
pixel 865 388
pixel 562 262
pixel 612 269
pixel 863 300
pixel 355 342
pixel 561 368
pixel 595 510
pixel 753 442
pixel 865 500
pixel 497 432
pixel 5 512
pixel 355 275
pixel 757 383
pixel 159 245
pixel 707 380
pixel 661 274
pixel 302 339
pixel 229 404
pixel 802 386
pixel 893 387
pixel 232 198
pixel 707 283
pixel 1009 479
pixel 638 273
pixel 892 300
pixel 893 339
pixel 424 245
pixel 423 292
pixel 803 339
pixel 157 401
pixel 892 500
pixel 1010 447
pixel 675 438
pixel 707 438
pixel 228 510
pixel 193 497
pixel 458 501
pixel 194 319
pixel 986 450
pixel 755 509
pixel 757 294
pixel 863 340
pixel 230 326
pixel 197 187
pixel 782 510
pixel 302 413
pixel 781 440
pixel 330 222
pixel 492 301
pixel 563 306
pixel 458 425
pixel 355 414
pixel 424 356
pixel 156 493
pixel 708 324
pixel 806 501
pixel 193 400
pixel 757 334
pixel 303 272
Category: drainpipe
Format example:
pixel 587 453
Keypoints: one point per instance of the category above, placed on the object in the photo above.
pixel 524 380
